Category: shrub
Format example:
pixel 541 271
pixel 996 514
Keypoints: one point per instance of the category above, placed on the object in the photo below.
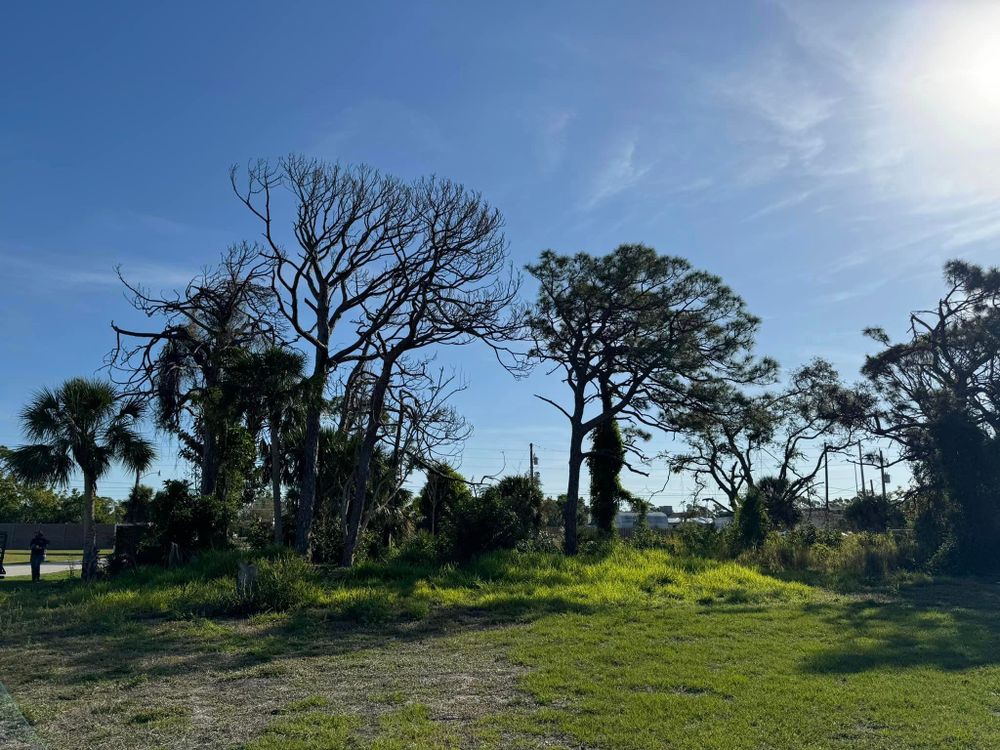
pixel 868 512
pixel 524 497
pixel 698 540
pixel 191 520
pixel 872 556
pixel 480 524
pixel 750 523
pixel 779 502
pixel 644 537
pixel 284 582
pixel 420 549
pixel 445 488
pixel 254 531
pixel 783 552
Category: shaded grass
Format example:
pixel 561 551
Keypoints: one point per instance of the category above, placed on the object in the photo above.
pixel 627 650
pixel 19 556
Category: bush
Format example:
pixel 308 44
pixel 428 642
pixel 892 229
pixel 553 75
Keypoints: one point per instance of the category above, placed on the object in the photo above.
pixel 643 537
pixel 869 512
pixel 191 520
pixel 524 497
pixel 866 556
pixel 254 531
pixel 445 488
pixel 750 523
pixel 779 502
pixel 480 524
pixel 284 582
pixel 698 540
pixel 420 549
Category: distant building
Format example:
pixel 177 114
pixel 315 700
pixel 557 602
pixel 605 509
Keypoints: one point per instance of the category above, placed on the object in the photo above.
pixel 822 518
pixel 722 520
pixel 626 520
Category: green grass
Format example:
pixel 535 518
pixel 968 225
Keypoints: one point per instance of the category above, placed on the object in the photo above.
pixel 18 556
pixel 631 650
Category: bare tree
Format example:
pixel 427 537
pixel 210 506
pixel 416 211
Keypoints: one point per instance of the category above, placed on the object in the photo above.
pixel 785 435
pixel 635 335
pixel 380 269
pixel 453 287
pixel 349 226
pixel 224 310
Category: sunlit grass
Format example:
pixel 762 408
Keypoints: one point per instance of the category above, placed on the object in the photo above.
pixel 628 649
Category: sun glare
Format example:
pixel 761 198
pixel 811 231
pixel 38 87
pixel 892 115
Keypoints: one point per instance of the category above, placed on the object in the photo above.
pixel 954 82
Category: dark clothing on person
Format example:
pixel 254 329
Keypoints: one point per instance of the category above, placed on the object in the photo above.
pixel 38 545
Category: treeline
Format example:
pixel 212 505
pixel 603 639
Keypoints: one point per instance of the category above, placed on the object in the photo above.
pixel 300 372
pixel 23 502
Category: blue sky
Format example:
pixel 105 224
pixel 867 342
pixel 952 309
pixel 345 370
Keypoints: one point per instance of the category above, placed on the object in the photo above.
pixel 823 158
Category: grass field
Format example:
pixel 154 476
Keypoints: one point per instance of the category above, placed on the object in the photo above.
pixel 631 650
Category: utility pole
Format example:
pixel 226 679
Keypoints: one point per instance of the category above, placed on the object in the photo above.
pixel 531 463
pixel 861 463
pixel 881 468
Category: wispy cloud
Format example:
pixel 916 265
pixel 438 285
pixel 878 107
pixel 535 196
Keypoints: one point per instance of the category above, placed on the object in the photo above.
pixel 781 94
pixel 619 171
pixel 789 201
pixel 41 271
pixel 833 106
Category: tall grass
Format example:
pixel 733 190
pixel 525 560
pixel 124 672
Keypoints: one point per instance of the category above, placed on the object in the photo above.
pixel 507 583
pixel 865 556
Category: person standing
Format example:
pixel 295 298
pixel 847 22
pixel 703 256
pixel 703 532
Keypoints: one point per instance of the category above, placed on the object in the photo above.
pixel 38 545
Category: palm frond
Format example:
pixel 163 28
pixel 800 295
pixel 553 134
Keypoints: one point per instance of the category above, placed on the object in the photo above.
pixel 130 448
pixel 42 418
pixel 42 463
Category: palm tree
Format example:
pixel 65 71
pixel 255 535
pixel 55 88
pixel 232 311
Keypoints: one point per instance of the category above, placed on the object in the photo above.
pixel 272 380
pixel 85 425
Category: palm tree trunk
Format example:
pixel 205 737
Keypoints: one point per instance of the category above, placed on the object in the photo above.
pixel 89 530
pixel 279 528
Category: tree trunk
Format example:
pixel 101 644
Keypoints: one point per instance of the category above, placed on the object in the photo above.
pixel 573 489
pixel 209 461
pixel 89 530
pixel 307 479
pixel 362 468
pixel 279 526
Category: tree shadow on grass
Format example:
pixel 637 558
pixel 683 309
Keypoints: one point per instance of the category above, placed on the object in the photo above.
pixel 100 647
pixel 952 624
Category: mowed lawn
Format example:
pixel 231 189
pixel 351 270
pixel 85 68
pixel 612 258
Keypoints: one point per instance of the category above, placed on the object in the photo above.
pixel 630 650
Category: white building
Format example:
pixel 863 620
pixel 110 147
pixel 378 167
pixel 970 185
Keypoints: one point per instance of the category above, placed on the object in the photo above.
pixel 626 520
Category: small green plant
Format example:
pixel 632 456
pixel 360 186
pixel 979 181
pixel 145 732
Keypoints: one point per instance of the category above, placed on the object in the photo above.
pixel 282 583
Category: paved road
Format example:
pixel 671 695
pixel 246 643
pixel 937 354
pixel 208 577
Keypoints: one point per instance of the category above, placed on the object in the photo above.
pixel 24 569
